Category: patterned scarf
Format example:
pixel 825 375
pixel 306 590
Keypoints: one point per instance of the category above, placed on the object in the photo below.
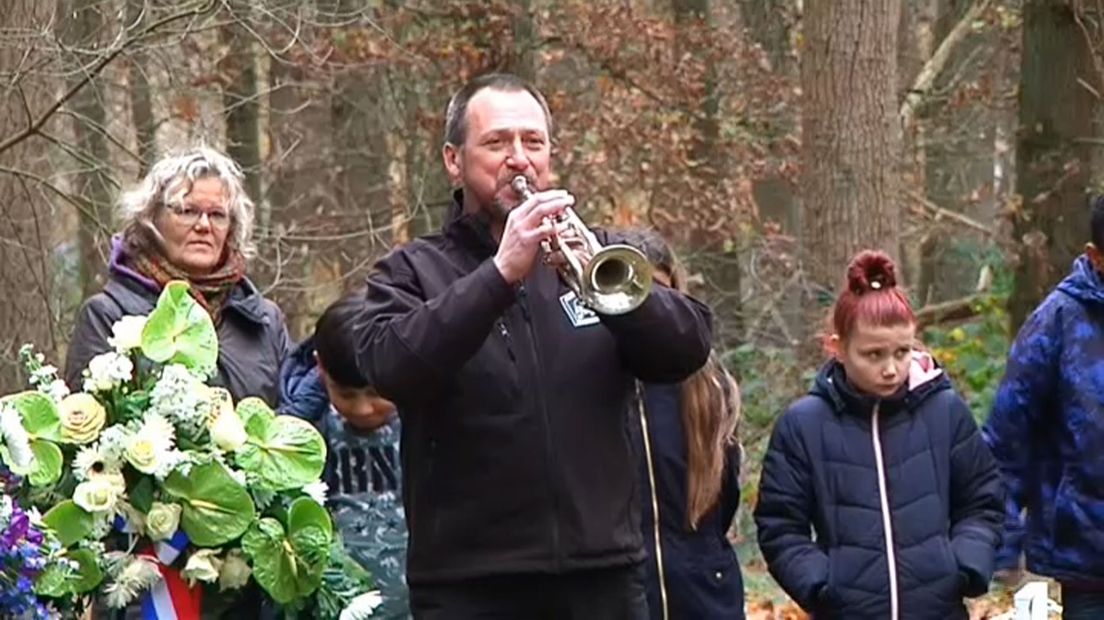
pixel 211 290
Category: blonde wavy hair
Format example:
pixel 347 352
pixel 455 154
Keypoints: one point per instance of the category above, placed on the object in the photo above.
pixel 170 180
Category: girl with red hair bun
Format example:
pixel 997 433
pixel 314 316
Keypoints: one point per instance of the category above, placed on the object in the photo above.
pixel 878 497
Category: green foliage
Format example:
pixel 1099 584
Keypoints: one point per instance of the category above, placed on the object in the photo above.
pixel 180 331
pixel 974 353
pixel 288 565
pixel 285 452
pixel 216 509
pixel 69 522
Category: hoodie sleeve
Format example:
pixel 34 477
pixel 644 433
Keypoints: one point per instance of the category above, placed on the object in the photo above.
pixel 409 346
pixel 667 338
pixel 784 516
pixel 977 501
pixel 1028 386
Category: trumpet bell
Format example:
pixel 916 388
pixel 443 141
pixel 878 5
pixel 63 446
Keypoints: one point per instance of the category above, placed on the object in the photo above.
pixel 616 280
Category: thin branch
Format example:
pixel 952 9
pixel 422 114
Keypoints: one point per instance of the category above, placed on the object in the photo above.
pixel 940 212
pixel 80 204
pixel 938 61
pixel 99 66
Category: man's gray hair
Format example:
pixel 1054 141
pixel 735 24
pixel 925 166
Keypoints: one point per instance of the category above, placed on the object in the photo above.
pixel 456 121
pixel 170 179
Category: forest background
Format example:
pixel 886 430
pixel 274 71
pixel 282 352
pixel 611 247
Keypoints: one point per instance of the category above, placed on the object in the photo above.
pixel 768 139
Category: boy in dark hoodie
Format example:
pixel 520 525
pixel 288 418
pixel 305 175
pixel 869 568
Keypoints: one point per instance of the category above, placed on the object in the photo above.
pixel 1047 434
pixel 320 383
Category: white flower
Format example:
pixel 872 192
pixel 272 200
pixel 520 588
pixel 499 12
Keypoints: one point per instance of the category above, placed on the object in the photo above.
pixel 202 565
pixel 107 371
pixel 56 390
pixel 234 572
pixel 137 576
pixel 362 606
pixel 162 520
pixel 15 437
pixel 99 494
pixel 150 450
pixel 7 507
pixel 317 491
pixel 238 476
pixel 92 460
pixel 227 431
pixel 126 333
pixel 181 398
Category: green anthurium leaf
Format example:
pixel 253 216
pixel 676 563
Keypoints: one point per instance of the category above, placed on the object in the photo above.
pixel 305 512
pixel 46 468
pixel 88 575
pixel 288 568
pixel 254 407
pixel 284 451
pixel 69 522
pixel 180 331
pixel 39 413
pixel 216 509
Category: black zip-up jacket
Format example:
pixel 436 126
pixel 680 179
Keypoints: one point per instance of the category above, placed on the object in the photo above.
pixel 516 447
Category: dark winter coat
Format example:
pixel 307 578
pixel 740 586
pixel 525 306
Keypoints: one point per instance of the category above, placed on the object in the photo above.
pixel 902 493
pixel 252 334
pixel 1046 431
pixel 516 406
pixel 700 573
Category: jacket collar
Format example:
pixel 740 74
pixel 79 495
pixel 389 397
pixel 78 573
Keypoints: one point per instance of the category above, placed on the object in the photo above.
pixel 925 379
pixel 472 231
pixel 135 296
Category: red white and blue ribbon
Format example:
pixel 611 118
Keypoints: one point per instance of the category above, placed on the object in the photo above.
pixel 171 598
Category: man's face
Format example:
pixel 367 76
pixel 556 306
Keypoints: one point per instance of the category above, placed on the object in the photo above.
pixel 507 135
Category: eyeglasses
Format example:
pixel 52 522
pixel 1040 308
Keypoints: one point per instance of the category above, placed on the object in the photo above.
pixel 188 215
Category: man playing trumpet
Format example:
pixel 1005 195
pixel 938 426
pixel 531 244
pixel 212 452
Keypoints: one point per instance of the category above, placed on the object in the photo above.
pixel 516 396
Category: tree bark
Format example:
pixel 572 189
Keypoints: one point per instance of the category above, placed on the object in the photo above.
pixel 82 32
pixel 141 104
pixel 1052 158
pixel 241 106
pixel 851 142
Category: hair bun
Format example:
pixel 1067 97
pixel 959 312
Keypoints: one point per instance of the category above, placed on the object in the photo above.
pixel 871 271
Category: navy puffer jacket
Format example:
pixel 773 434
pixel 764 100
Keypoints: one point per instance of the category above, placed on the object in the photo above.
pixel 903 495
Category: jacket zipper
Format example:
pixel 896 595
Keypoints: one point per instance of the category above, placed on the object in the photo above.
pixel 523 301
pixel 887 522
pixel 502 329
pixel 655 500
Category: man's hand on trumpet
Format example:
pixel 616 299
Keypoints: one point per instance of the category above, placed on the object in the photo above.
pixel 526 226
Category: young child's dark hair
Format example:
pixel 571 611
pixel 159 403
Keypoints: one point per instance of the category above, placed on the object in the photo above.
pixel 1096 221
pixel 334 342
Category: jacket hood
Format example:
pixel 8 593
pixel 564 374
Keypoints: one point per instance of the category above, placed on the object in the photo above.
pixel 1084 282
pixel 925 379
pixel 303 393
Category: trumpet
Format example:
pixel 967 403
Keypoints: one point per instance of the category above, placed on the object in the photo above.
pixel 616 279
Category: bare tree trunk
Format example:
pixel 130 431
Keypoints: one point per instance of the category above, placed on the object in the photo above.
pixel 1052 157
pixel 851 141
pixel 524 62
pixel 692 19
pixel 141 105
pixel 29 310
pixel 82 31
pixel 242 105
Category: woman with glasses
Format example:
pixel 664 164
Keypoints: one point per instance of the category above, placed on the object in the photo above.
pixel 189 219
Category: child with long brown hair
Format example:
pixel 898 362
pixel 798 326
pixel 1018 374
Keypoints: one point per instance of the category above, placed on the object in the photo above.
pixel 884 462
pixel 690 467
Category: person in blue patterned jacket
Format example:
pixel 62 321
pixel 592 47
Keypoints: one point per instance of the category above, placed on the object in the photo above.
pixel 1046 431
pixel 321 383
